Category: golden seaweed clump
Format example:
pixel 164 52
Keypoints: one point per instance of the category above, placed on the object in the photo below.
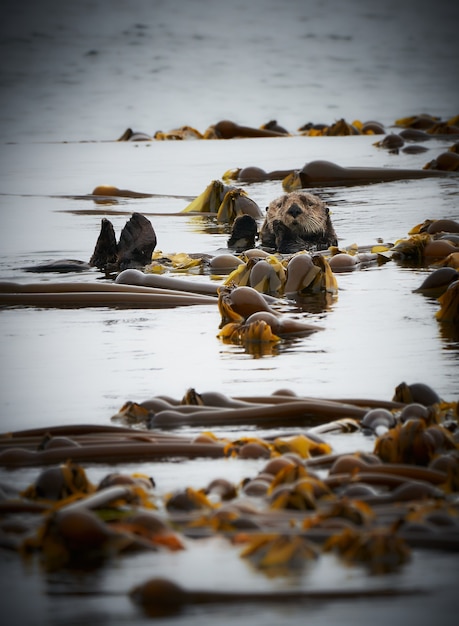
pixel 188 499
pixel 300 274
pixel 176 262
pixel 423 121
pixel 226 202
pixel 292 182
pixel 413 442
pixel 449 301
pixel 411 248
pixel 302 445
pixel 257 332
pixel 63 484
pixel 276 554
pixel 178 134
pixel 78 537
pixel 265 275
pixel 380 549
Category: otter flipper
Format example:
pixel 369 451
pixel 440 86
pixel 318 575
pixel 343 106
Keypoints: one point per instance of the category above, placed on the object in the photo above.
pixel 137 242
pixel 105 256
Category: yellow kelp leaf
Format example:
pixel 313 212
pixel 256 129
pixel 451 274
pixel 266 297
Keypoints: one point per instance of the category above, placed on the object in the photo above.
pixel 358 512
pixel 291 498
pixel 230 175
pixel 379 248
pixel 284 551
pixel 227 312
pixel 420 228
pixel 156 268
pixel 132 413
pixel 256 542
pixel 292 182
pixel 182 260
pixel 302 445
pixel 352 249
pixel 188 499
pixel 257 332
pixel 325 279
pixel 447 410
pixel 191 396
pixel 341 128
pixel 62 484
pixel 203 521
pixel 240 276
pixel 219 521
pixel 449 301
pixel 287 475
pixel 232 205
pixel 243 440
pixel 406 121
pixel 412 247
pixel 76 536
pixel 380 550
pixel 314 486
pixel 211 435
pixel 209 200
pixel 318 132
pixel 452 260
pixel 178 134
pixel 176 260
pixel 139 496
pixel 168 540
pixel 229 330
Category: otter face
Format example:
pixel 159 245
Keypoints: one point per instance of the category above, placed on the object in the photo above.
pixel 303 213
pixel 304 218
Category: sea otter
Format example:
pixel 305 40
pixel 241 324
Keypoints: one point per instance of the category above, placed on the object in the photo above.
pixel 297 221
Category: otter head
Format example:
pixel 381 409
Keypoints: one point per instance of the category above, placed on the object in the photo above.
pixel 303 213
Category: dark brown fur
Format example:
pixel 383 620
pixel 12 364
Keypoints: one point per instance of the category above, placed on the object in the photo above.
pixel 134 249
pixel 297 221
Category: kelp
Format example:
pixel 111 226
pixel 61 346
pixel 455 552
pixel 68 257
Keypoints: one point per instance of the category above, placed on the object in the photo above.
pixel 368 508
pixel 449 304
pixel 225 202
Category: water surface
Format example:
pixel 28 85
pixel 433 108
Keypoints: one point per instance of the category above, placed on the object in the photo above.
pixel 75 76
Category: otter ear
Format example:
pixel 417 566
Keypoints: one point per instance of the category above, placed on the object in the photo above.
pixel 266 209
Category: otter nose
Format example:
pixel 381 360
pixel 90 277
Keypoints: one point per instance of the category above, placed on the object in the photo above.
pixel 294 210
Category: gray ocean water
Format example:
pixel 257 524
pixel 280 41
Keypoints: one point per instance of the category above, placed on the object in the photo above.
pixel 73 77
pixel 87 69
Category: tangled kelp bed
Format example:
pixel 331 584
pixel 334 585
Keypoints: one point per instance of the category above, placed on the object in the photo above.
pixel 112 516
pixel 421 127
pixel 370 508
